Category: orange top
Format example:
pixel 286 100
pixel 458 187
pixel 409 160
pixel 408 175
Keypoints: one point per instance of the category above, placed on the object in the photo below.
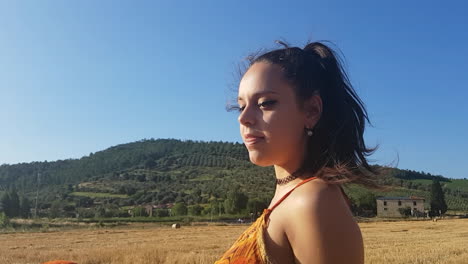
pixel 249 248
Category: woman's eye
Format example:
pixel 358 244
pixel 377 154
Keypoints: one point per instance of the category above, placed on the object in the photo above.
pixel 263 104
pixel 236 108
pixel 267 103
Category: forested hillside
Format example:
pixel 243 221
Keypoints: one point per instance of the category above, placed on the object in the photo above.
pixel 200 177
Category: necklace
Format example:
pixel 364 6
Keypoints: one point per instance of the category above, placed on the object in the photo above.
pixel 285 180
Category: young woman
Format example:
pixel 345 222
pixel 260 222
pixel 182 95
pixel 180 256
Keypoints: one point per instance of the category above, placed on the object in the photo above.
pixel 299 113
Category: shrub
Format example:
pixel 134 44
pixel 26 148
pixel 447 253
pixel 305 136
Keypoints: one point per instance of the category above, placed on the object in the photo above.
pixel 406 212
pixel 123 214
pixel 161 212
pixel 195 210
pixel 4 220
pixel 256 206
pixel 85 212
pixel 139 211
pixel 179 209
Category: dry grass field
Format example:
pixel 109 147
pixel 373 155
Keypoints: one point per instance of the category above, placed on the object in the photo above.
pixel 444 241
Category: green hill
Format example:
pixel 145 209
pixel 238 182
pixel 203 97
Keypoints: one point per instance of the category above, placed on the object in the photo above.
pixel 166 171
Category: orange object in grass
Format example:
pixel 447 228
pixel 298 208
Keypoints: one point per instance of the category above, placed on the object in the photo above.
pixel 59 262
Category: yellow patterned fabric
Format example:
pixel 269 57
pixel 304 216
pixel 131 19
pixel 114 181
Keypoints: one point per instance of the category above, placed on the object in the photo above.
pixel 250 246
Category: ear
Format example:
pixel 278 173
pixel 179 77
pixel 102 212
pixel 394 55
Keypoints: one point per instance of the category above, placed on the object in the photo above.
pixel 313 110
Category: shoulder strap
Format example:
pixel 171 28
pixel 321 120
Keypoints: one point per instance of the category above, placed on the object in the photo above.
pixel 288 193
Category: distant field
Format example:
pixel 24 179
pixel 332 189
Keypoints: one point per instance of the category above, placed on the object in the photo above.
pixel 385 242
pixel 99 195
pixel 205 177
pixel 454 184
pixel 459 184
pixel 422 181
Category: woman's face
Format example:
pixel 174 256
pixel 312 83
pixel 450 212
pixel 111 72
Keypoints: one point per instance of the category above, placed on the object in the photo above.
pixel 269 112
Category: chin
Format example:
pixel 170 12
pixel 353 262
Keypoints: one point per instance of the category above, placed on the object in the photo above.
pixel 259 160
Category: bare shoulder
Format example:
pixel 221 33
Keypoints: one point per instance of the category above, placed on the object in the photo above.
pixel 322 228
pixel 317 193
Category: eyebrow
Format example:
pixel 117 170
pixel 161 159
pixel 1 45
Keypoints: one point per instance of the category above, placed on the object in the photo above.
pixel 258 94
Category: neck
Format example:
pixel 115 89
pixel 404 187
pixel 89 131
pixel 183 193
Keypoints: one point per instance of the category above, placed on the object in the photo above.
pixel 283 172
pixel 289 167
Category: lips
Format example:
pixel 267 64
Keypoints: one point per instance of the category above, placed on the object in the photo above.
pixel 252 139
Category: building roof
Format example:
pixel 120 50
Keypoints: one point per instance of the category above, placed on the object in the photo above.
pixel 401 198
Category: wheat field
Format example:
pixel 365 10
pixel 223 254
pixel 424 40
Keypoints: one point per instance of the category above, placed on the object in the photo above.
pixel 445 241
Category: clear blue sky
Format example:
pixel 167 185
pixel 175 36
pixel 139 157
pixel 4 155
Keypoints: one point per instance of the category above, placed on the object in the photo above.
pixel 80 76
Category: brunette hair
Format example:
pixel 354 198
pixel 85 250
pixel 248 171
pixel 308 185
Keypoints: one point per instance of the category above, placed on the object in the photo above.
pixel 336 152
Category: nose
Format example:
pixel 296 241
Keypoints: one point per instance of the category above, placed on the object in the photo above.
pixel 247 116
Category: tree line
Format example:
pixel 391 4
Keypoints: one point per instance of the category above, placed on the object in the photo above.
pixel 205 177
pixel 14 205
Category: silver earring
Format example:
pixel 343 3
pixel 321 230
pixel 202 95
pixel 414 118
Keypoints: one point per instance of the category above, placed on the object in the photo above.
pixel 309 132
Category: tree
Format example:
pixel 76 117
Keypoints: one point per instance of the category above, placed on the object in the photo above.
pixel 4 221
pixel 14 203
pixel 100 212
pixel 256 206
pixel 25 207
pixel 149 164
pixel 196 195
pixel 235 202
pixel 195 209
pixel 84 201
pixel 141 177
pixel 5 204
pixel 179 209
pixel 215 207
pixel 139 211
pixel 161 212
pixel 365 202
pixel 438 205
pixel 55 209
pixel 10 203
